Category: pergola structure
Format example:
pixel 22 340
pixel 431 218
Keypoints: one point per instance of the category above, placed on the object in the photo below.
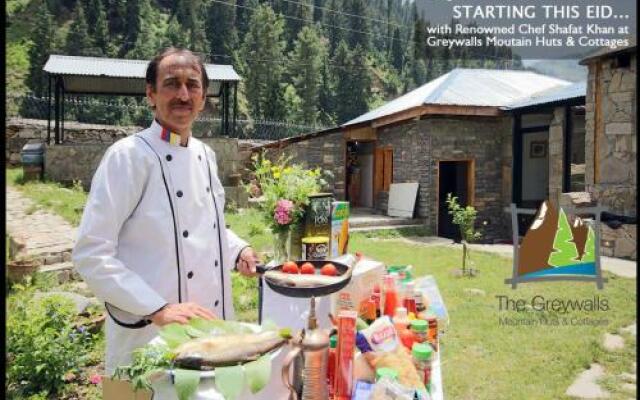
pixel 120 77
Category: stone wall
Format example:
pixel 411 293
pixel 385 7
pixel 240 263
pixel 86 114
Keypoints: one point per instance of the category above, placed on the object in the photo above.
pixel 556 154
pixel 327 152
pixel 78 157
pixel 19 132
pixel 611 142
pixel 419 145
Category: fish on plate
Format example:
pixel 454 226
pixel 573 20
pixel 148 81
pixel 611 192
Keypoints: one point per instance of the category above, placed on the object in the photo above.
pixel 225 350
pixel 303 280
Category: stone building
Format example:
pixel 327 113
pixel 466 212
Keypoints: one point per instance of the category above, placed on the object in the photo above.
pixel 611 143
pixel 486 136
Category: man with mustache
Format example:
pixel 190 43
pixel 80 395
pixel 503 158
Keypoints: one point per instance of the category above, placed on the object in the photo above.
pixel 153 244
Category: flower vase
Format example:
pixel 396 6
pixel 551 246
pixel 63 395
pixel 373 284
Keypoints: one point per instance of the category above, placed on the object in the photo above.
pixel 281 246
pixel 295 241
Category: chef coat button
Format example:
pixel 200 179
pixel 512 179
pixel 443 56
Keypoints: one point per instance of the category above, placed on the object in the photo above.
pixel 190 274
pixel 169 157
pixel 215 263
pixel 208 189
pixel 216 303
pixel 199 157
pixel 179 193
pixel 185 233
pixel 214 225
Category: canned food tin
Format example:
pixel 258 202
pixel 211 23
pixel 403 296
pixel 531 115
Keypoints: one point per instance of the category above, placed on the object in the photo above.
pixel 315 247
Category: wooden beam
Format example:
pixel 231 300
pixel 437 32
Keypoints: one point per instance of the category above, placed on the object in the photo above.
pixel 436 109
pixel 399 116
pixel 364 133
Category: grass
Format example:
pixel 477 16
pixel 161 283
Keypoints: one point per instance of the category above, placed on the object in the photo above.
pixel 67 202
pixel 480 358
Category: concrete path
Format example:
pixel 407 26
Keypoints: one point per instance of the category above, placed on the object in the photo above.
pixel 35 232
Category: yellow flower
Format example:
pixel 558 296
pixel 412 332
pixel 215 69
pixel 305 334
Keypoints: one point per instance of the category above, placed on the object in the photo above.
pixel 276 175
pixel 287 170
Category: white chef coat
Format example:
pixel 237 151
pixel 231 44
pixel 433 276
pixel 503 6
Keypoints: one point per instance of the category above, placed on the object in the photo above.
pixel 153 233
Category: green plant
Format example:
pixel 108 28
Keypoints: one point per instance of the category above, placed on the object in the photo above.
pixel 465 218
pixel 256 229
pixel 42 343
pixel 285 188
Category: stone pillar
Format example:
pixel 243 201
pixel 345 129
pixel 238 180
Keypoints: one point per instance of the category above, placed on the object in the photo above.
pixel 556 154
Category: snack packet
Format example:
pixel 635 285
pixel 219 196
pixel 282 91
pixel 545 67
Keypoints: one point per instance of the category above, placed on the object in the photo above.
pixel 387 389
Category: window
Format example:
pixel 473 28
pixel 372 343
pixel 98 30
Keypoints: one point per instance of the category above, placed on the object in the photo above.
pixel 383 169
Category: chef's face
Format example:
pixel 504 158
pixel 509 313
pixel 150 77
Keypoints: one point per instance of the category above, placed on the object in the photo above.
pixel 179 94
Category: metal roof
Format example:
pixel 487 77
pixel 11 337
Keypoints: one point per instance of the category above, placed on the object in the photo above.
pixel 469 87
pixel 553 95
pixel 113 75
pixel 608 51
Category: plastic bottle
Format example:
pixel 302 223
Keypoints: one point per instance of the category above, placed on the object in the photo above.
pixel 432 335
pixel 419 329
pixel 376 297
pixel 400 319
pixel 390 295
pixel 422 354
pixel 409 301
pixel 331 364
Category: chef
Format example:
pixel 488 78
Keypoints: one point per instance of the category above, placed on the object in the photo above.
pixel 153 244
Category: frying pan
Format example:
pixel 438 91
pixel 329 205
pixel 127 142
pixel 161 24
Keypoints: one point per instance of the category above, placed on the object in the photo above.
pixel 308 292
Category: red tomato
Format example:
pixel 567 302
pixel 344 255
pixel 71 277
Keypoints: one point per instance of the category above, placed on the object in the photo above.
pixel 329 269
pixel 307 268
pixel 290 267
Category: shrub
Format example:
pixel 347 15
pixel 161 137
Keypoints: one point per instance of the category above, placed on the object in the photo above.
pixel 42 343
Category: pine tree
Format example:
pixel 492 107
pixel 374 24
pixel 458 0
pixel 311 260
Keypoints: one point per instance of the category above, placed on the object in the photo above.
pixel 220 29
pixel 145 45
pixel 101 31
pixel 317 10
pixel 301 15
pixel 396 51
pixel 327 95
pixel 589 255
pixel 78 41
pixel 132 26
pixel 565 251
pixel 175 35
pixel 333 23
pixel 306 71
pixel 359 27
pixel 40 51
pixel 263 70
pixel 353 86
pixel 116 15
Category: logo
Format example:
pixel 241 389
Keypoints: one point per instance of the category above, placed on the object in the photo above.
pixel 557 247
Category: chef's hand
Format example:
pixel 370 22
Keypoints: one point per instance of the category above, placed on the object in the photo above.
pixel 247 262
pixel 180 313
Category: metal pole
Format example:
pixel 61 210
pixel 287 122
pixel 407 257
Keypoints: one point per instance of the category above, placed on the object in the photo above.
pixel 62 107
pixel 235 107
pixel 49 111
pixel 56 91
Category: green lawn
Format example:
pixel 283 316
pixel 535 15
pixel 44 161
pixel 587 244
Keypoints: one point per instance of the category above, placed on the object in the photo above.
pixel 480 358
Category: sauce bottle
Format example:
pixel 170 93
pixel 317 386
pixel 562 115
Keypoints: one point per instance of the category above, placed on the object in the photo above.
pixel 331 366
pixel 422 355
pixel 390 295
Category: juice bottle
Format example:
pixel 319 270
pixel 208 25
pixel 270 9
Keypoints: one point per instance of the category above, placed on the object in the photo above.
pixel 409 301
pixel 432 335
pixel 375 296
pixel 390 295
pixel 419 328
pixel 331 364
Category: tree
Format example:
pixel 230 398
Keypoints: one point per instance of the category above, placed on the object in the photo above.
pixel 353 83
pixel 40 51
pixel 334 22
pixel 220 29
pixel 359 27
pixel 396 51
pixel 306 71
pixel 263 69
pixel 564 248
pixel 79 42
pixel 465 218
pixel 145 44
pixel 589 255
pixel 101 31
pixel 132 25
pixel 301 15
